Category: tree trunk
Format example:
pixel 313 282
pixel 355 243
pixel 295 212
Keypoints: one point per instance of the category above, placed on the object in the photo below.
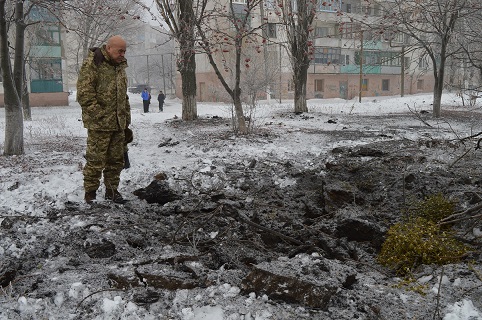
pixel 300 77
pixel 298 33
pixel 13 106
pixel 439 83
pixel 187 64
pixel 238 108
pixel 300 91
pixel 437 96
pixel 189 86
pixel 27 111
pixel 19 61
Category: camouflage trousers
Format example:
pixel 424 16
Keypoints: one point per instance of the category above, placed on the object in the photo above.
pixel 105 156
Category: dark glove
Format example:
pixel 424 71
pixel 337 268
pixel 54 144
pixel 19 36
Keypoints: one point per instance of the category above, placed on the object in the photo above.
pixel 129 136
pixel 127 163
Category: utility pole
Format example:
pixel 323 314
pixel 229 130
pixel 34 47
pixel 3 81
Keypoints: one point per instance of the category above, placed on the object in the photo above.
pixel 147 67
pixel 402 73
pixel 280 73
pixel 361 65
pixel 264 32
pixel 163 74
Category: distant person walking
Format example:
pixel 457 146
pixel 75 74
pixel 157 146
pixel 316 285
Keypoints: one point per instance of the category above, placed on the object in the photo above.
pixel 146 99
pixel 161 97
pixel 106 113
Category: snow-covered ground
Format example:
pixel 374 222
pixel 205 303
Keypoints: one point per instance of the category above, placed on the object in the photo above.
pixel 33 191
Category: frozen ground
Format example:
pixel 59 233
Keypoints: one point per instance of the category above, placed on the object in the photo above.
pixel 44 223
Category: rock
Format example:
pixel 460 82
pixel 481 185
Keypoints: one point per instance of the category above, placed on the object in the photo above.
pixel 137 242
pixel 409 178
pixel 164 277
pixel 147 297
pixel 360 230
pixel 160 176
pixel 157 191
pixel 8 272
pixel 349 282
pixel 367 152
pixel 287 288
pixel 340 197
pixel 105 249
pixel 124 281
pixel 7 223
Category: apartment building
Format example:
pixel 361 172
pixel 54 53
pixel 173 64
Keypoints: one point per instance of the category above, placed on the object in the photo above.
pixel 348 60
pixel 46 63
pixel 45 67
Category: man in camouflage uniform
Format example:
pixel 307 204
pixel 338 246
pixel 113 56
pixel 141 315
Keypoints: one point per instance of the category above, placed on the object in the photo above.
pixel 106 113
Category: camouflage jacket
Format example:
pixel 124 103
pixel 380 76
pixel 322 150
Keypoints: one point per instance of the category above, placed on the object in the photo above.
pixel 102 92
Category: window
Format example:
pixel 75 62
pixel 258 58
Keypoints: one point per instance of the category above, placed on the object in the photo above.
pixel 271 30
pixel 270 4
pixel 385 84
pixel 329 5
pixel 389 35
pixel 348 8
pixel 422 63
pixel 240 1
pixel 364 86
pixel 49 36
pixel 242 20
pixel 378 58
pixel 323 32
pixel 376 10
pixel 350 31
pixel 371 58
pixel 345 59
pixel 291 85
pixel 319 85
pixel 390 59
pixel 369 35
pixel 420 84
pixel 327 55
pixel 46 69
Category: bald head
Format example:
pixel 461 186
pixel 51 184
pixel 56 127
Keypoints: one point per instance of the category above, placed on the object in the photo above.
pixel 116 48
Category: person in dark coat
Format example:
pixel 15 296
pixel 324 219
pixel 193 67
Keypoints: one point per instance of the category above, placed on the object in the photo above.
pixel 161 97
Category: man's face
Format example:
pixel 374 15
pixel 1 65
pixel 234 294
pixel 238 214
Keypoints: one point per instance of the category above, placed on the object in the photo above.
pixel 116 52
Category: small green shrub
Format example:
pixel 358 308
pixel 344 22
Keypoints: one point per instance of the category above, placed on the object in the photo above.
pixel 433 208
pixel 419 241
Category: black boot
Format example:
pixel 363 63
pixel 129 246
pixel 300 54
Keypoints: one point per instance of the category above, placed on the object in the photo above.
pixel 114 196
pixel 127 163
pixel 90 196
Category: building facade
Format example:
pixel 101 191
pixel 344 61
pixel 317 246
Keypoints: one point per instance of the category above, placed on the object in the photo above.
pixel 46 63
pixel 348 59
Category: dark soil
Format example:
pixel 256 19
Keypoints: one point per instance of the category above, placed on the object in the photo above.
pixel 238 218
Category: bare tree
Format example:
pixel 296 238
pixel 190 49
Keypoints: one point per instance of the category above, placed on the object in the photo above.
pixel 469 39
pixel 430 26
pixel 262 71
pixel 226 31
pixel 13 78
pixel 297 19
pixel 14 21
pixel 181 17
